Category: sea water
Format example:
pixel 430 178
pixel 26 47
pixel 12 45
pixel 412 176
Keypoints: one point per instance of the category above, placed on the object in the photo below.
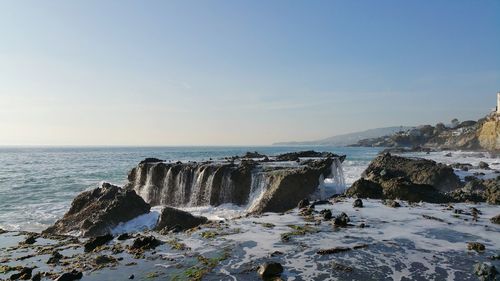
pixel 37 184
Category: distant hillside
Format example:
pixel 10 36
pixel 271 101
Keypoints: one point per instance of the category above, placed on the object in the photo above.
pixel 349 139
pixel 483 134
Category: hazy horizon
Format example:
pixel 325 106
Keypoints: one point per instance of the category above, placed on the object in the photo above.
pixel 183 73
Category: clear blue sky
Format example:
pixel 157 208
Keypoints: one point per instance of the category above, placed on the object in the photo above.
pixel 240 72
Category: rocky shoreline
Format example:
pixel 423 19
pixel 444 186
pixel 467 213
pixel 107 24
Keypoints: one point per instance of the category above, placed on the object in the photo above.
pixel 480 135
pixel 182 246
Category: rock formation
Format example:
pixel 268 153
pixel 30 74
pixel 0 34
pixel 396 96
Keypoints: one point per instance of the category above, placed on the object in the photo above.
pixel 97 211
pixel 479 190
pixel 177 220
pixel 489 134
pixel 483 134
pixel 415 170
pixel 261 185
pixel 412 179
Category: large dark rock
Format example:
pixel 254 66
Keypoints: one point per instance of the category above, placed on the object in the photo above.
pixel 254 154
pixel 70 276
pixel 411 179
pixel 415 170
pixel 216 183
pixel 151 160
pixel 97 211
pixel 23 274
pixel 97 241
pixel 486 272
pixel 495 219
pixel 270 269
pixel 178 220
pixel 365 189
pixel 294 156
pixel 478 190
pixel 286 187
pixel 145 243
pixel 492 192
pixel 400 188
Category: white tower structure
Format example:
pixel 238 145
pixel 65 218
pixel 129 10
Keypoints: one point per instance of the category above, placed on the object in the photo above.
pixel 498 103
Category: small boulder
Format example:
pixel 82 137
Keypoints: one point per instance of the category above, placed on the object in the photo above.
pixel 56 256
pixel 327 214
pixel 303 203
pixel 485 272
pixel 392 203
pixel 358 203
pixel 495 219
pixel 151 160
pixel 341 220
pixel 145 243
pixel 333 250
pixel 95 242
pixel 24 274
pixel 270 269
pixel 31 239
pixel 175 219
pixel 476 246
pixel 70 276
pixel 104 259
pixel 254 154
pixel 123 236
pixel 484 165
pixel 36 277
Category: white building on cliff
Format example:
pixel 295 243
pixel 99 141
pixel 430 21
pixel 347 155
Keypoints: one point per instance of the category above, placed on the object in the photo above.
pixel 498 103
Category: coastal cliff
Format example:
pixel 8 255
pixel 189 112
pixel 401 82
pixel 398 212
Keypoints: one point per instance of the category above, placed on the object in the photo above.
pixel 483 134
pixel 489 134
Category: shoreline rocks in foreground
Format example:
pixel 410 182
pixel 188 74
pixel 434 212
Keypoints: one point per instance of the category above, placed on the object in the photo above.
pixel 97 211
pixel 176 220
pixel 262 188
pixel 416 179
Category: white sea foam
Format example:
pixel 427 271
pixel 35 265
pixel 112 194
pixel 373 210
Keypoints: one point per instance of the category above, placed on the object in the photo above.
pixel 221 212
pixel 143 222
pixel 407 235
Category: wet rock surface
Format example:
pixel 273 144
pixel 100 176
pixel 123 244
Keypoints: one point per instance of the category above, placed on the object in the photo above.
pixel 215 183
pixel 97 211
pixel 410 179
pixel 496 219
pixel 294 156
pixel 486 272
pixel 172 219
pixel 145 243
pixel 97 241
pixel 478 190
pixel 270 269
pixel 358 203
pixel 70 276
pixel 311 247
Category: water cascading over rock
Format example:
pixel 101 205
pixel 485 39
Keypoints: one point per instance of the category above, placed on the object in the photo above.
pixel 273 186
